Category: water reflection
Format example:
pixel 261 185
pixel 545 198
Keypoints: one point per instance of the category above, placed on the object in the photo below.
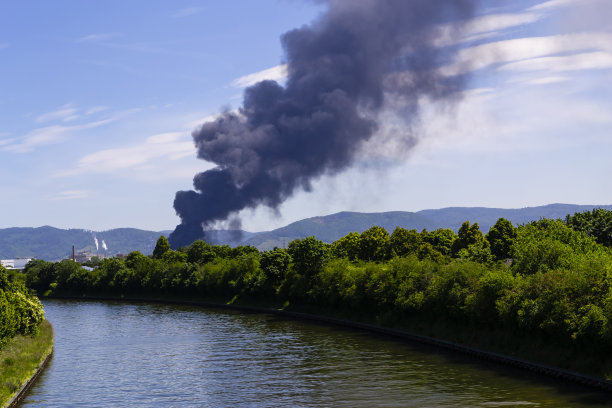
pixel 141 355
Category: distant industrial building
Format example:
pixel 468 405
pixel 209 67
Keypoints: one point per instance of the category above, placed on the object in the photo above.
pixel 82 257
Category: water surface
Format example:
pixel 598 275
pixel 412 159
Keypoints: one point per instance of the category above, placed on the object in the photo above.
pixel 112 354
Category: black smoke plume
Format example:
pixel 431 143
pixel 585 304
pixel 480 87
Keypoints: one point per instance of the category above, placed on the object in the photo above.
pixel 341 70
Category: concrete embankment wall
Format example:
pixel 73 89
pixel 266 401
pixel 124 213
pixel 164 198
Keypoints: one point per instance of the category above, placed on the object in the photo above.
pixel 538 368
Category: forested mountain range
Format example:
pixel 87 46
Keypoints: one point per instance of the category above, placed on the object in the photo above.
pixel 52 243
pixel 332 227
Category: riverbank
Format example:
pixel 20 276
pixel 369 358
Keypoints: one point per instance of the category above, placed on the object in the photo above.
pixel 547 370
pixel 21 361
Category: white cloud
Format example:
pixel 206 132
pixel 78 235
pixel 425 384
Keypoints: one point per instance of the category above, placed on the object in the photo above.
pixel 574 62
pixel 186 12
pixel 70 195
pixel 496 22
pixel 66 113
pixel 276 73
pixel 552 4
pixel 98 37
pixel 547 80
pixel 485 55
pixel 4 45
pixel 142 157
pixel 482 27
pixel 49 135
pixel 490 121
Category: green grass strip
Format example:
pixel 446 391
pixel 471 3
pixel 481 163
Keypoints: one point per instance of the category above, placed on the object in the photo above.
pixel 20 360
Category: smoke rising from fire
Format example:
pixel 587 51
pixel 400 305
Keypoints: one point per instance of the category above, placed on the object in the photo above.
pixel 343 69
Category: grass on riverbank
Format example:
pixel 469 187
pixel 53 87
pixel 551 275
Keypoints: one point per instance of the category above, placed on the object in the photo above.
pixel 20 358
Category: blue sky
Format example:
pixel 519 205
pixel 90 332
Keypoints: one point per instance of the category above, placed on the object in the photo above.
pixel 98 99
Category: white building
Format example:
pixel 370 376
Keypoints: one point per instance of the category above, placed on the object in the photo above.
pixel 8 263
pixel 19 263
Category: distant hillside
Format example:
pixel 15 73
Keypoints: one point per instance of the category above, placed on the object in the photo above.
pixel 331 227
pixel 53 243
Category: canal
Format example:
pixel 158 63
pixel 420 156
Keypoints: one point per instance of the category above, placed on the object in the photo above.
pixel 113 354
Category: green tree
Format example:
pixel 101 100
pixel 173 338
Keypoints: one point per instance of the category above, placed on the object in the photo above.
pixel 161 247
pixel 105 273
pixel 200 252
pixel 275 263
pixel 479 252
pixel 4 281
pixel 441 239
pixel 427 251
pixel 347 246
pixel 39 274
pixel 20 312
pixel 135 259
pixel 245 250
pixel 547 245
pixel 596 224
pixel 223 251
pixel 309 255
pixel 170 257
pixel 64 270
pixel 501 237
pixel 403 242
pixel 374 244
pixel 468 235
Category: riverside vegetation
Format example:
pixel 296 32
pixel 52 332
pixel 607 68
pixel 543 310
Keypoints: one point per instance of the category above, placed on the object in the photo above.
pixel 542 290
pixel 25 339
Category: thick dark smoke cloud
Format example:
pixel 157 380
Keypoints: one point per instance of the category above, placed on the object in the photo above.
pixel 341 70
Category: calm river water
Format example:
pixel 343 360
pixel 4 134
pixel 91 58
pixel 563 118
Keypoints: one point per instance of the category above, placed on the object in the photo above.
pixel 110 354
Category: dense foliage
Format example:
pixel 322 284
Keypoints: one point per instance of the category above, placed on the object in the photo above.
pixel 20 312
pixel 539 284
pixel 596 224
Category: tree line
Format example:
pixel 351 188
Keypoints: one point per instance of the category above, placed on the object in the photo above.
pixel 515 289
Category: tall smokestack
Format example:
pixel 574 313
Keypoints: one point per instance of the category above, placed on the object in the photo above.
pixel 343 69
